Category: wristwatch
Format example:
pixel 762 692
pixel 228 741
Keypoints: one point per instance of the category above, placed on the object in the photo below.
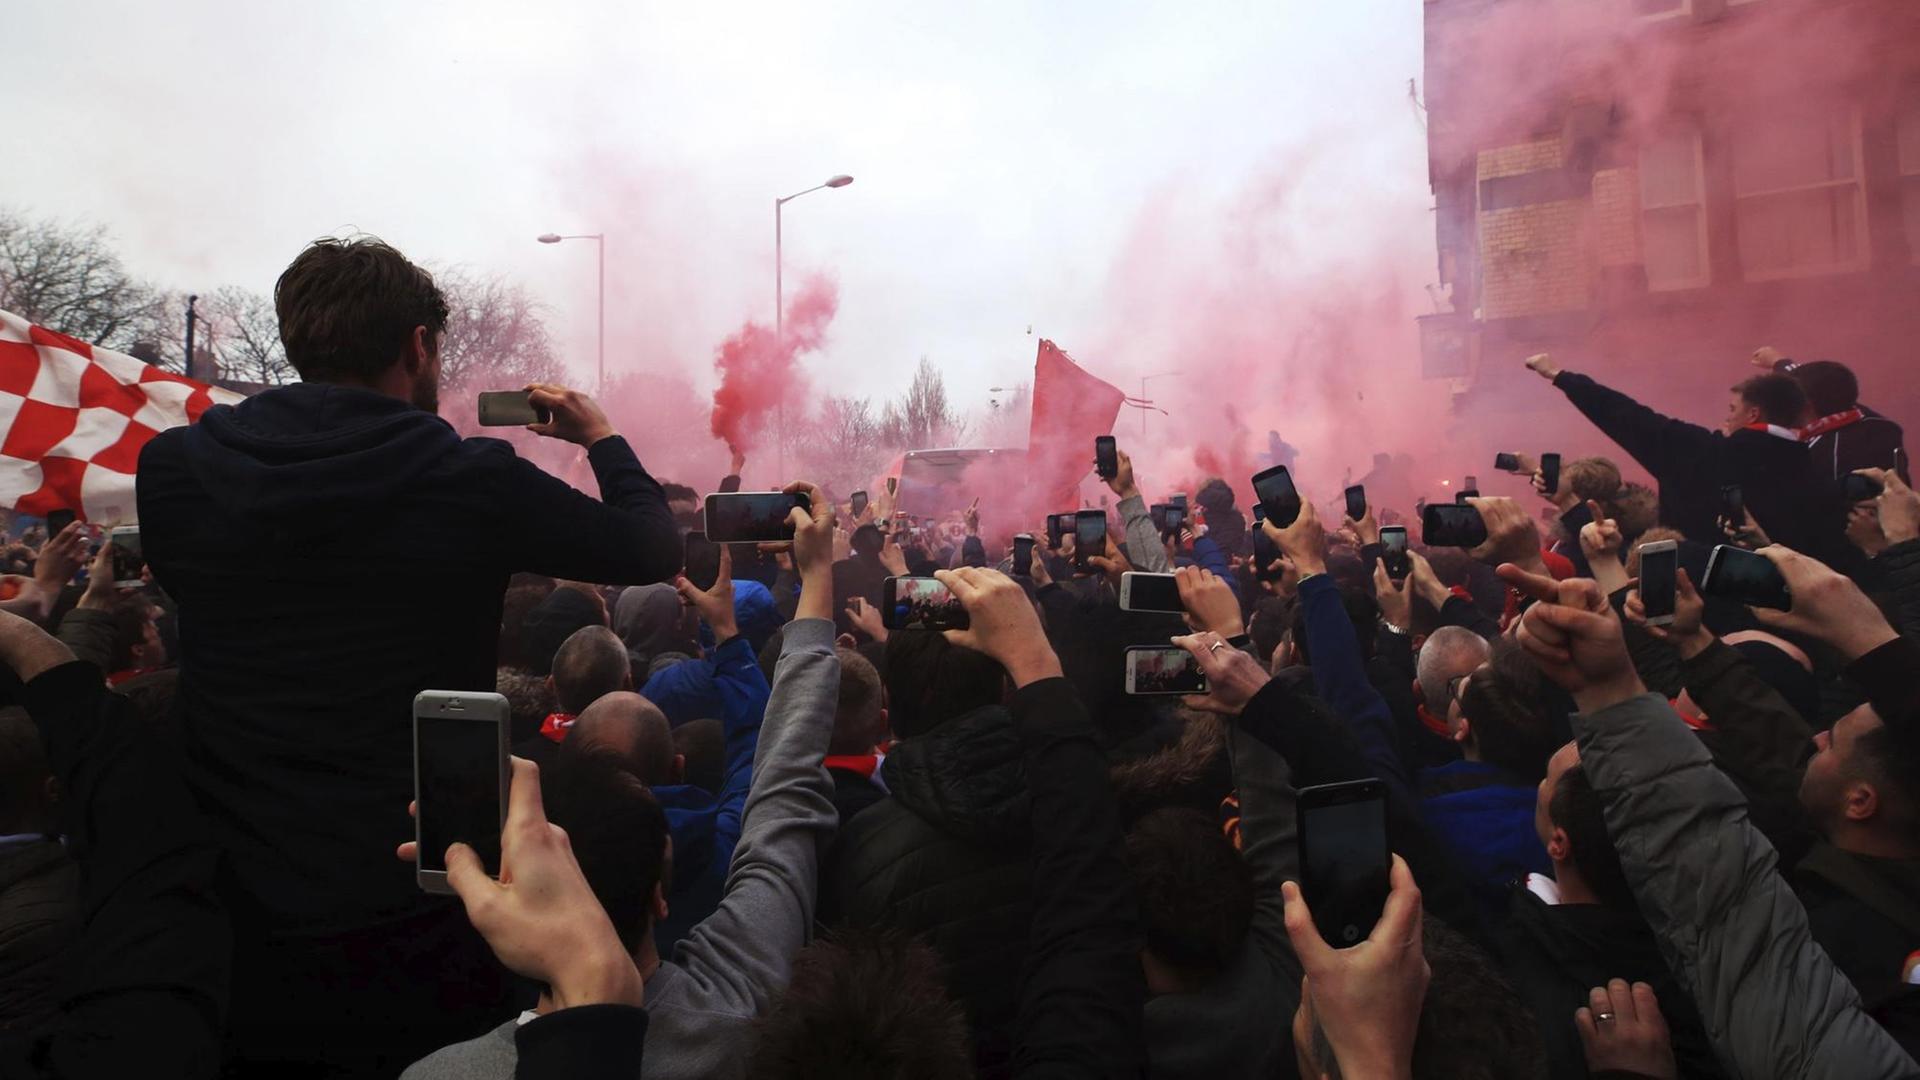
pixel 1389 627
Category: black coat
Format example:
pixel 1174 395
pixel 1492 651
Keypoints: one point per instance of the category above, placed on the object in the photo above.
pixel 39 919
pixel 944 856
pixel 1872 442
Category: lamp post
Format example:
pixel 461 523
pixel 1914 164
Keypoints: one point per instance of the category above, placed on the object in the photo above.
pixel 1143 396
pixel 780 308
pixel 599 239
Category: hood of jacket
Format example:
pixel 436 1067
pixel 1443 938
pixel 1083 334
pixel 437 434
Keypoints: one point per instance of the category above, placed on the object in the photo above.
pixel 651 620
pixel 312 458
pixel 967 777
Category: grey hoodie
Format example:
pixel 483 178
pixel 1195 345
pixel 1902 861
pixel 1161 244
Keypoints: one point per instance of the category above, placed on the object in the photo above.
pixel 729 970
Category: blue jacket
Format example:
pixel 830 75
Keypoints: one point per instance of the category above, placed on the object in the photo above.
pixel 705 826
pixel 686 691
pixel 1485 817
pixel 1341 676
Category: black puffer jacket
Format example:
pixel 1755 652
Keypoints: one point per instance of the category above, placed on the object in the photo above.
pixel 39 919
pixel 945 857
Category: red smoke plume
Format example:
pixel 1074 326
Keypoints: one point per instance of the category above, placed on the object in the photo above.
pixel 758 373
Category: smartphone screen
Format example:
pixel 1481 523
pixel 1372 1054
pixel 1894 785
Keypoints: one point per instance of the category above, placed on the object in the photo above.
pixel 920 603
pixel 57 522
pixel 1733 504
pixel 1106 457
pixel 509 408
pixel 1394 539
pixel 752 516
pixel 1277 496
pixel 1550 473
pixel 1157 513
pixel 457 761
pixel 1506 462
pixel 1357 502
pixel 703 561
pixel 1746 577
pixel 1265 551
pixel 1023 555
pixel 1659 584
pixel 1452 525
pixel 1149 592
pixel 129 564
pixel 1344 860
pixel 1858 489
pixel 1176 519
pixel 857 503
pixel 1163 669
pixel 1057 527
pixel 1089 535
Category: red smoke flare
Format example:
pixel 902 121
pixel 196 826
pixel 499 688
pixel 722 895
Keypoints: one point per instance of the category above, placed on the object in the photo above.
pixel 758 373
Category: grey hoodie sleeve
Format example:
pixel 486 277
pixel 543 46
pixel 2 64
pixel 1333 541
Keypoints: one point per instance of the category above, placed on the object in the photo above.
pixel 1773 1003
pixel 1145 550
pixel 740 958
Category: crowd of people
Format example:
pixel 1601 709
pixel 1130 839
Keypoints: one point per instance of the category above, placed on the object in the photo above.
pixel 751 831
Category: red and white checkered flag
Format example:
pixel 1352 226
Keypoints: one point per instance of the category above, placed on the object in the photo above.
pixel 75 417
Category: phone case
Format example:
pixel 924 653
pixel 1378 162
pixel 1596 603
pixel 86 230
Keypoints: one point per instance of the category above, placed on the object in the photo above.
pixel 479 707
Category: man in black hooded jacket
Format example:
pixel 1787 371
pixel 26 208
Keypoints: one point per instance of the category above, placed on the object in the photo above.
pixel 335 548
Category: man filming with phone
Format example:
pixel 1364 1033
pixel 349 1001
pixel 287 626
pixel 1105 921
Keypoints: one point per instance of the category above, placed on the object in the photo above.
pixel 335 548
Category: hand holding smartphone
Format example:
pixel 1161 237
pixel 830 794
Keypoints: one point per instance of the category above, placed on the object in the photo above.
pixel 920 603
pixel 1089 537
pixel 1659 581
pixel 1106 457
pixel 1023 555
pixel 1150 592
pixel 129 562
pixel 1345 863
pixel 1357 502
pixel 1746 577
pixel 745 517
pixel 460 777
pixel 1278 497
pixel 1393 538
pixel 510 408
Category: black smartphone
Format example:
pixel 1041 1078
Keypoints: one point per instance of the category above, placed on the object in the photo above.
pixel 1163 669
pixel 1058 525
pixel 1506 462
pixel 1277 496
pixel 1747 577
pixel 857 503
pixel 1180 500
pixel 1452 525
pixel 702 566
pixel 1357 502
pixel 1345 864
pixel 1733 505
pixel 1023 555
pixel 1399 564
pixel 1150 592
pixel 1659 580
pixel 1550 473
pixel 1089 536
pixel 920 603
pixel 1106 457
pixel 1176 519
pixel 58 520
pixel 510 408
pixel 1265 551
pixel 1858 489
pixel 460 778
pixel 742 517
pixel 1157 513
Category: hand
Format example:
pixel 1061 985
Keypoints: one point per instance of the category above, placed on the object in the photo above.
pixel 541 918
pixel 1366 999
pixel 715 605
pixel 62 557
pixel 739 463
pixel 1002 622
pixel 1038 572
pixel 1685 632
pixel 24 597
pixel 1122 482
pixel 1633 1038
pixel 1426 583
pixel 1512 535
pixel 1601 536
pixel 1113 563
pixel 972 518
pixel 866 619
pixel 1573 634
pixel 1899 508
pixel 1563 498
pixel 1766 358
pixel 1395 597
pixel 892 557
pixel 1826 605
pixel 1233 677
pixel 572 416
pixel 1863 528
pixel 1304 541
pixel 1745 533
pixel 100 590
pixel 1542 364
pixel 1525 465
pixel 1366 530
pixel 1288 584
pixel 1209 601
pixel 813 552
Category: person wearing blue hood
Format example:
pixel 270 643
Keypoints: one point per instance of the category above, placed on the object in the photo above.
pixel 335 548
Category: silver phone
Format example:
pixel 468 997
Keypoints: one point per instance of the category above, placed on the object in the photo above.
pixel 1659 581
pixel 1150 592
pixel 460 777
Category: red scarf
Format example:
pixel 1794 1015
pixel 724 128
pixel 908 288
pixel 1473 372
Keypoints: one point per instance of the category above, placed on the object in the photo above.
pixel 1838 420
pixel 864 764
pixel 555 725
pixel 119 677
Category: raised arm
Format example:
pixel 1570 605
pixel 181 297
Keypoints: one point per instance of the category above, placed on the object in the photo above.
pixel 1144 549
pixel 1653 440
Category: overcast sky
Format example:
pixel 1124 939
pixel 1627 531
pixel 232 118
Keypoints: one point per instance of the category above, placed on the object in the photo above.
pixel 1009 157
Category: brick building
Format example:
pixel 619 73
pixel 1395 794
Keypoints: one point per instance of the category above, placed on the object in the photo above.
pixel 1652 192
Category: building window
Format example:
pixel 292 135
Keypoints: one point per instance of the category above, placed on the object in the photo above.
pixel 1909 126
pixel 1673 219
pixel 1799 206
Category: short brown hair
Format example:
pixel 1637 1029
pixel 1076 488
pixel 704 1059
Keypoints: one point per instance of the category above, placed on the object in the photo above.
pixel 864 1005
pixel 1779 398
pixel 857 716
pixel 347 308
pixel 1592 478
pixel 1636 508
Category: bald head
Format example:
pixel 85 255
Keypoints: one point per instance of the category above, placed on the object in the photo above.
pixel 629 725
pixel 591 663
pixel 1449 652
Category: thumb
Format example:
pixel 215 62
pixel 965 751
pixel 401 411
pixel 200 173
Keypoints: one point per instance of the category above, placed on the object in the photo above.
pixel 1308 945
pixel 468 878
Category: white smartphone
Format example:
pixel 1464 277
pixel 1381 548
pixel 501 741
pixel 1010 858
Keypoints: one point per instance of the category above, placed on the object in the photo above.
pixel 460 778
pixel 1659 583
pixel 1149 592
pixel 1163 669
pixel 129 564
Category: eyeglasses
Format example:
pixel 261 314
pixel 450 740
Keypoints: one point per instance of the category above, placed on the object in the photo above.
pixel 1453 686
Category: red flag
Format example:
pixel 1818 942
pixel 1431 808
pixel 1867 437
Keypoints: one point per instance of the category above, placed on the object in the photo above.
pixel 73 418
pixel 1070 409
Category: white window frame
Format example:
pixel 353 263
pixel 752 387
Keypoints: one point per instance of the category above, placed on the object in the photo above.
pixel 1699 205
pixel 1862 255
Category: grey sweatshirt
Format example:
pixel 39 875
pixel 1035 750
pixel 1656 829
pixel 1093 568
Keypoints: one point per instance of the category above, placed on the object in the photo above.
pixel 1145 550
pixel 729 970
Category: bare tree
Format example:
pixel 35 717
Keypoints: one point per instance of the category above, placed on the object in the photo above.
pixel 71 280
pixel 497 335
pixel 843 445
pixel 245 337
pixel 922 418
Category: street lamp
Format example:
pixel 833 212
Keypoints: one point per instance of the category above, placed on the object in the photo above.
pixel 780 308
pixel 1143 396
pixel 601 240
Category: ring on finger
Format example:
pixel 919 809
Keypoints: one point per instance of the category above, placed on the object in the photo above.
pixel 1603 1017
